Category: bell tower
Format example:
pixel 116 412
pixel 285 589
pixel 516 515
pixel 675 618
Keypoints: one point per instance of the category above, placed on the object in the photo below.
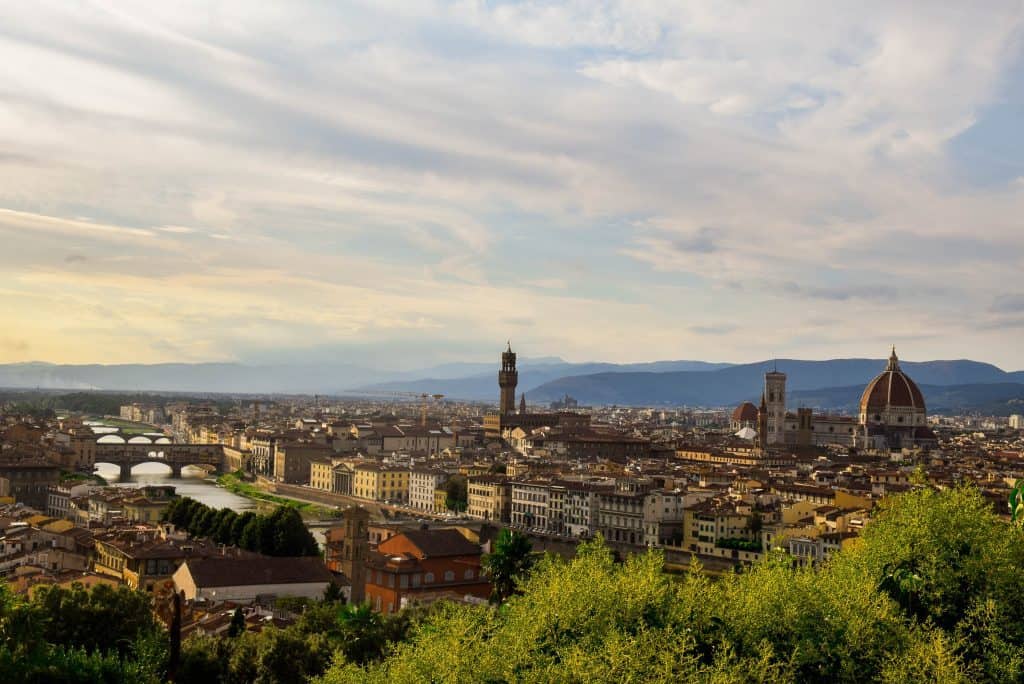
pixel 775 399
pixel 508 378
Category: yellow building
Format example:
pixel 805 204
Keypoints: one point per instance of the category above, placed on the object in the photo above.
pixel 321 475
pixel 440 500
pixel 489 498
pixel 381 483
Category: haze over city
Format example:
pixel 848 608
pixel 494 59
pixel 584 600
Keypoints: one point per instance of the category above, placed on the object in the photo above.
pixel 408 183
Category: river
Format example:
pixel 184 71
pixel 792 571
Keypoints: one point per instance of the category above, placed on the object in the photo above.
pixel 192 483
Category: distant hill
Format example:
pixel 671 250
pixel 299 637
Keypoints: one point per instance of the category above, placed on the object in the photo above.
pixel 731 385
pixel 459 380
pixel 186 377
pixel 483 385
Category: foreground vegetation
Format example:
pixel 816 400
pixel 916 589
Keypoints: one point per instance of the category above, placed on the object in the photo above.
pixel 932 593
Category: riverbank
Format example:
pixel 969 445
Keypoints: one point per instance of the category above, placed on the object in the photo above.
pixel 236 485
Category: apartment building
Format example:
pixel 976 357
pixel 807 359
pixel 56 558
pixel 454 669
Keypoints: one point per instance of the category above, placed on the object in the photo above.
pixel 490 498
pixel 423 482
pixel 379 482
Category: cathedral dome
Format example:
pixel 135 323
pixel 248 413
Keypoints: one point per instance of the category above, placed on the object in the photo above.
pixel 892 389
pixel 744 413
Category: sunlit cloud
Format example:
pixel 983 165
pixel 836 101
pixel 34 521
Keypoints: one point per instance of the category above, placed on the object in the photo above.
pixel 615 180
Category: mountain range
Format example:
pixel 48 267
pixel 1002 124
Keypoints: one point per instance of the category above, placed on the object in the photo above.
pixel 836 384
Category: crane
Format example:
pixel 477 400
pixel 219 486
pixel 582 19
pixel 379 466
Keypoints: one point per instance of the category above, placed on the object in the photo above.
pixel 424 398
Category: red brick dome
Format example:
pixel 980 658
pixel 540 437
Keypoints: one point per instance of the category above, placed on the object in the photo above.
pixel 745 412
pixel 891 389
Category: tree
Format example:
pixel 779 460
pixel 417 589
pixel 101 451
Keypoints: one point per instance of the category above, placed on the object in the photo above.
pixel 362 633
pixel 225 526
pixel 237 625
pixel 508 564
pixel 456 494
pixel 238 527
pixel 291 537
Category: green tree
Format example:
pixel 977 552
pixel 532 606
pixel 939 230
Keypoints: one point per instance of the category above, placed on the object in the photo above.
pixel 237 625
pixel 508 564
pixel 456 494
pixel 225 526
pixel 291 537
pixel 238 526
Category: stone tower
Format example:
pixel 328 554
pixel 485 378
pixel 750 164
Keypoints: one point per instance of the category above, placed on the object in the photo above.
pixel 775 401
pixel 522 404
pixel 349 546
pixel 508 378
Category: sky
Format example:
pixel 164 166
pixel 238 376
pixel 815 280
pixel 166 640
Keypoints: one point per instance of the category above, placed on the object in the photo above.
pixel 400 183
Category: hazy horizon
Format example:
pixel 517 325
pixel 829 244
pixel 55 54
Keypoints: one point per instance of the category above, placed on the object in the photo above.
pixel 414 183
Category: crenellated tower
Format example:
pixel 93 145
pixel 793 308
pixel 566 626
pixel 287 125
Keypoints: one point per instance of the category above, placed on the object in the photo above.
pixel 508 378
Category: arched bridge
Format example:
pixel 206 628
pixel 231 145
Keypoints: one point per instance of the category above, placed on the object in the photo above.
pixel 127 454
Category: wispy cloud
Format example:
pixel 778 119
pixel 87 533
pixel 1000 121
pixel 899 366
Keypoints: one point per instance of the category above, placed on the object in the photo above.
pixel 560 168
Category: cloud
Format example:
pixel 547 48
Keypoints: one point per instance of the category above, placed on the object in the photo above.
pixel 364 172
pixel 720 329
pixel 1009 304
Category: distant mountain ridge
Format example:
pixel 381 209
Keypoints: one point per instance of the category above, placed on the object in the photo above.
pixel 824 384
pixel 483 386
pixel 743 382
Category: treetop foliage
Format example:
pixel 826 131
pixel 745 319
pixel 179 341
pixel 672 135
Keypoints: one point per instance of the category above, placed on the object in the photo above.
pixel 932 592
pixel 281 533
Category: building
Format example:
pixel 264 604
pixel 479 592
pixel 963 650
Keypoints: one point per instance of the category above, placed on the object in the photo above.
pixel 143 559
pixel 347 549
pixel 246 580
pixel 1017 422
pixel 58 503
pixel 489 497
pixel 744 416
pixel 378 482
pixel 343 478
pixel 321 474
pixel 292 460
pixel 423 482
pixel 580 510
pixel 663 518
pixel 892 411
pixel 30 479
pixel 421 566
pixel 621 512
pixel 591 445
pixel 508 378
pixel 530 504
pixel 892 416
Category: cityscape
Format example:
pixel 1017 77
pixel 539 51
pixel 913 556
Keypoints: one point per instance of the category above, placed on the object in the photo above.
pixel 511 341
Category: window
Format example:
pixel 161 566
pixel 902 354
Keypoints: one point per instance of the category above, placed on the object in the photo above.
pixel 468 574
pixel 428 578
pixel 449 576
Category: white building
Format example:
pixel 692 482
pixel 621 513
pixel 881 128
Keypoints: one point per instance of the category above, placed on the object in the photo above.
pixel 530 504
pixel 422 483
pixel 245 580
pixel 1017 422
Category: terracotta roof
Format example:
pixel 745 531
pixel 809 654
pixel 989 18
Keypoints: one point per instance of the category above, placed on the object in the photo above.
pixel 892 388
pixel 225 572
pixel 745 412
pixel 435 543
